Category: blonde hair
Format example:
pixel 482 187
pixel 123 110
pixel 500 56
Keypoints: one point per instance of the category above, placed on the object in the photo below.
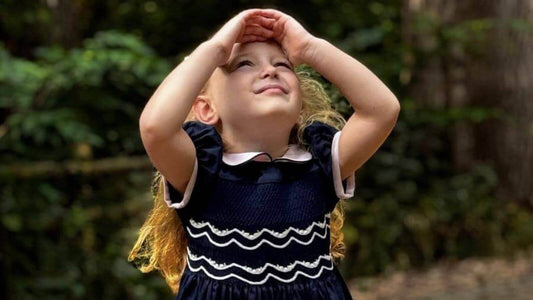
pixel 162 243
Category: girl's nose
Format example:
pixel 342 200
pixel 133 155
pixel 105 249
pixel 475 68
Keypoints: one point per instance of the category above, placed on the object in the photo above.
pixel 269 70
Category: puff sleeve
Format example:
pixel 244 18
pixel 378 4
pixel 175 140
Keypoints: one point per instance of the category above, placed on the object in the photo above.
pixel 208 145
pixel 323 140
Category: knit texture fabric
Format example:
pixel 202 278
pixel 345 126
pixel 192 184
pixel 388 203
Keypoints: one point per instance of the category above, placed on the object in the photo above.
pixel 260 229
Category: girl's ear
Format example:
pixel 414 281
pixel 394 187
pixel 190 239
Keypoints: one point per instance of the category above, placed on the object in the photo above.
pixel 205 111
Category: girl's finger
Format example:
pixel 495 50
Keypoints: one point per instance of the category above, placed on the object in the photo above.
pixel 258 30
pixel 271 13
pixel 252 38
pixel 263 21
pixel 252 15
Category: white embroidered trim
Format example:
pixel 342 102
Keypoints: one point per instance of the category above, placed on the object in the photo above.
pixel 265 279
pixel 262 241
pixel 259 270
pixel 257 234
pixel 188 190
pixel 337 180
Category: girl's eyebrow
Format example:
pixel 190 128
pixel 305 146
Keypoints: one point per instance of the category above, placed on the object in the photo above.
pixel 240 55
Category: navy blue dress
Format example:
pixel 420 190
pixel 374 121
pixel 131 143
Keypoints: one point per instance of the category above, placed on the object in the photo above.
pixel 260 229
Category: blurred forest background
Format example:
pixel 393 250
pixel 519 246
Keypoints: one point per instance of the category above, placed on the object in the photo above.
pixel 452 181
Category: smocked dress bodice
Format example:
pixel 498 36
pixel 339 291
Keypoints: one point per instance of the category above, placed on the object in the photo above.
pixel 257 227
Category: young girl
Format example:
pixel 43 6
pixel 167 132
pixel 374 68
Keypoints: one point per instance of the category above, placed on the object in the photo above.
pixel 252 163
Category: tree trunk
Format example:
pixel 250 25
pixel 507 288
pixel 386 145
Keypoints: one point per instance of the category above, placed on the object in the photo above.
pixel 493 70
pixel 65 29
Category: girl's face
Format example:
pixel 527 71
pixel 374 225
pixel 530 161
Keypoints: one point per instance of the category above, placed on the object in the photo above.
pixel 236 88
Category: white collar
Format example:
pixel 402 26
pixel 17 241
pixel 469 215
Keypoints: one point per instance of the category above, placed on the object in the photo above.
pixel 294 153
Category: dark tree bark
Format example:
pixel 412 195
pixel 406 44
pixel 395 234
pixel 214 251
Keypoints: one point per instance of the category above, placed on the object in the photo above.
pixel 66 28
pixel 493 69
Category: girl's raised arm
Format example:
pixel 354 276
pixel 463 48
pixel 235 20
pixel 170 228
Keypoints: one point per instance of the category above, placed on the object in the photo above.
pixel 169 147
pixel 170 104
pixel 376 107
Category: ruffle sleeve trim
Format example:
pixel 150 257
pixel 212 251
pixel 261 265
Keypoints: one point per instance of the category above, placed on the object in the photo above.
pixel 208 145
pixel 183 199
pixel 343 188
pixel 324 143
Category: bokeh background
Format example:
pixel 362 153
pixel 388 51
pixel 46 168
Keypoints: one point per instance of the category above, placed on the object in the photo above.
pixel 447 200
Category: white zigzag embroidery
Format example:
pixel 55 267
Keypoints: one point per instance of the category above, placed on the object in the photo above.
pixel 262 281
pixel 262 241
pixel 258 270
pixel 249 236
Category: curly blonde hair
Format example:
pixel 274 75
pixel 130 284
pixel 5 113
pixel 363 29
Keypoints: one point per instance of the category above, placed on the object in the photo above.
pixel 161 244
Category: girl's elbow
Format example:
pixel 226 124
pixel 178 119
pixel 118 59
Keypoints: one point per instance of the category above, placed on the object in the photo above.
pixel 395 108
pixel 393 112
pixel 395 104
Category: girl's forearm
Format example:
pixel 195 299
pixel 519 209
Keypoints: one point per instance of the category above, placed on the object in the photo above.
pixel 367 94
pixel 170 104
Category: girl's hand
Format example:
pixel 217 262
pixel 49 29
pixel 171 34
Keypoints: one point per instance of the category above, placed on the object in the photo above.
pixel 294 39
pixel 247 26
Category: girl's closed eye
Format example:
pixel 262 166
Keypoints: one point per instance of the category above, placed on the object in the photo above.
pixel 284 64
pixel 244 62
pixel 247 62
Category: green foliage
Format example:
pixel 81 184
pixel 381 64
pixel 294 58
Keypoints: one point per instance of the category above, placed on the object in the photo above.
pixel 69 238
pixel 66 237
pixel 86 95
pixel 412 207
